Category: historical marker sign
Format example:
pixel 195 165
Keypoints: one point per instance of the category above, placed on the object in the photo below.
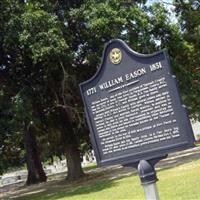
pixel 133 107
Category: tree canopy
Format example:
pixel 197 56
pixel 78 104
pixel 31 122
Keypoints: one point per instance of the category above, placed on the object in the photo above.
pixel 48 47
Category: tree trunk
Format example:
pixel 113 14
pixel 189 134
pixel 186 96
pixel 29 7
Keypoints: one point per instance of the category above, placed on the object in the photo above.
pixel 70 143
pixel 74 167
pixel 36 173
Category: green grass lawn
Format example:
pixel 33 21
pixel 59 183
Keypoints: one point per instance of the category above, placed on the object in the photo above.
pixel 178 183
pixel 197 144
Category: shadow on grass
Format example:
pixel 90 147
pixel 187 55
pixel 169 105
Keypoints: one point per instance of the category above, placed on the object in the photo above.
pixel 86 188
pixel 97 181
pixel 170 163
pixel 90 167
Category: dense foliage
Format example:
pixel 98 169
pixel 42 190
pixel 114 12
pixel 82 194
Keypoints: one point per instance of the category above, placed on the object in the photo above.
pixel 48 47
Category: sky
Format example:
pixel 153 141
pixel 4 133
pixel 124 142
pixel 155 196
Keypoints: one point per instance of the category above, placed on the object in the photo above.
pixel 168 4
pixel 149 2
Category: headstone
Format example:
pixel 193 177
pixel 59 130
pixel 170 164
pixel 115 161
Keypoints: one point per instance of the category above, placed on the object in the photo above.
pixel 23 175
pixel 133 107
pixel 9 180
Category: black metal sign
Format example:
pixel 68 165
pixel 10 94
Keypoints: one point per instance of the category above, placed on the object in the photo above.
pixel 133 107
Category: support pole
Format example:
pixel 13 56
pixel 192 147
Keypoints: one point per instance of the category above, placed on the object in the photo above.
pixel 148 179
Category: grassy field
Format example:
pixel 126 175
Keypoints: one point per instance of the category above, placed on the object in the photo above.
pixel 178 183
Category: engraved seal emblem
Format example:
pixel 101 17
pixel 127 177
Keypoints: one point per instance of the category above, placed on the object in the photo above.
pixel 115 56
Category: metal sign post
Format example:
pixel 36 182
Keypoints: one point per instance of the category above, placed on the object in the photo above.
pixel 148 179
pixel 151 191
pixel 147 174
